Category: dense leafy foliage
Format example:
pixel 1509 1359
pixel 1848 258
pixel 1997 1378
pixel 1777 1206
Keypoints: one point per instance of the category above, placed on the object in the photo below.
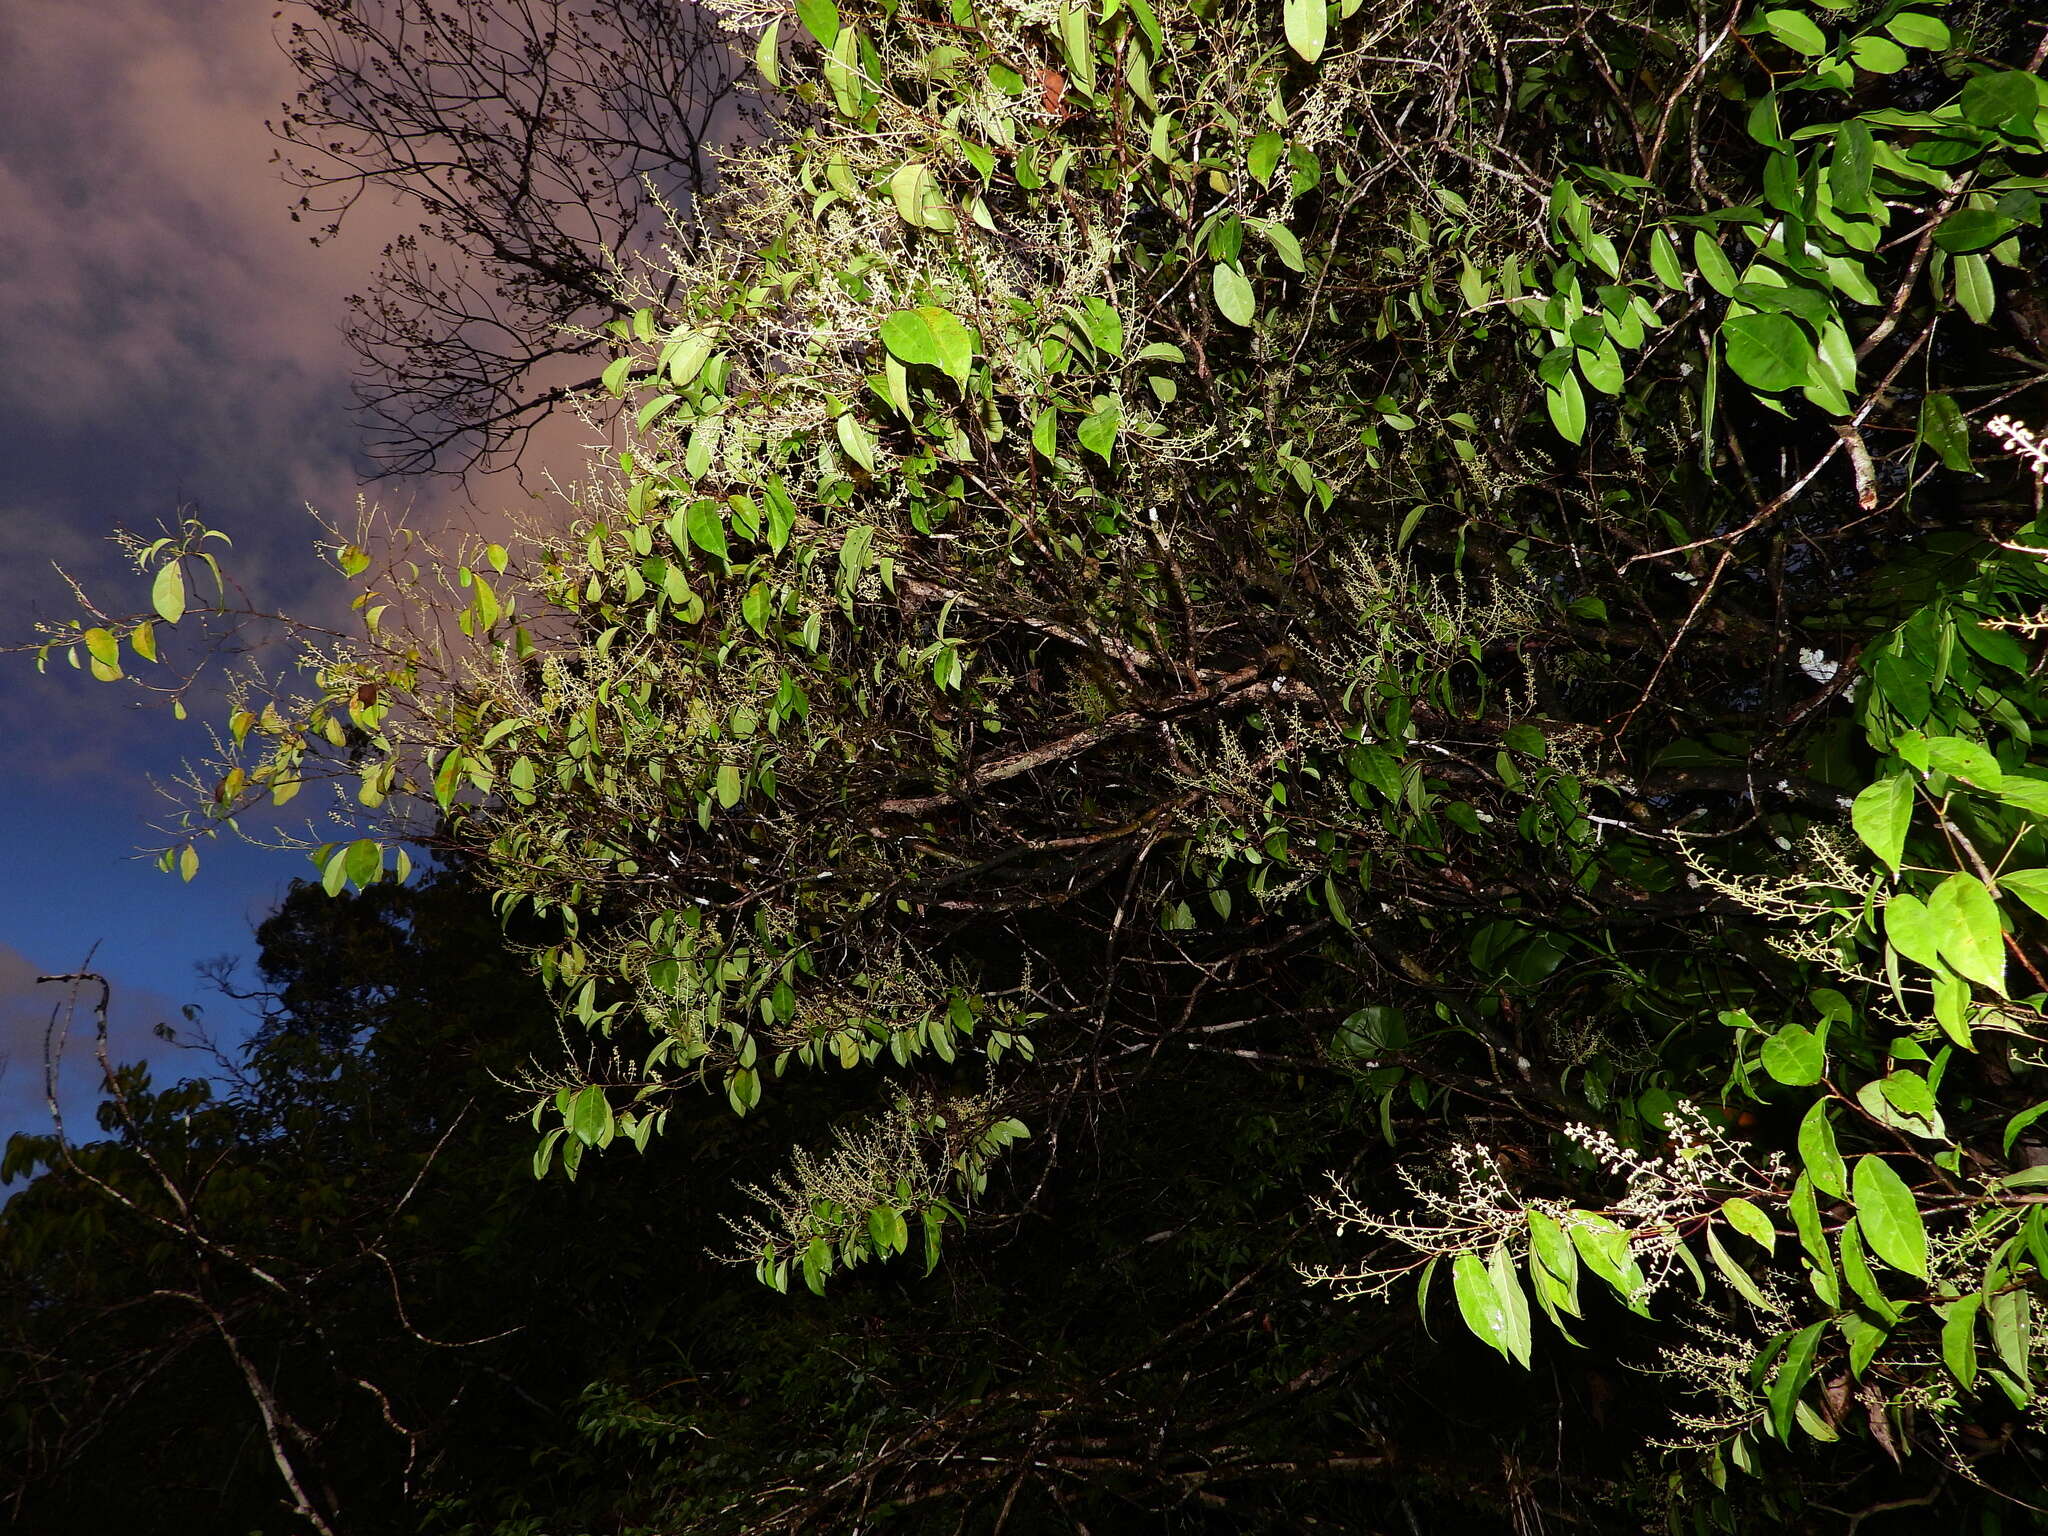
pixel 1441 558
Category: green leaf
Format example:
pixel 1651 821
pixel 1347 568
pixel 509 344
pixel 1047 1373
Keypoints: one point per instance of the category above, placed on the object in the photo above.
pixel 1664 262
pixel 1233 294
pixel 706 528
pixel 1605 1249
pixel 1553 1254
pixel 730 785
pixel 887 1230
pixel 1567 405
pixel 1794 1056
pixel 1959 1338
pixel 1045 432
pixel 1735 1274
pixel 1097 431
pixel 1307 23
pixel 820 19
pixel 1998 99
pixel 1974 288
pixel 1962 758
pixel 1881 814
pixel 2025 1117
pixel 757 607
pixel 1856 1270
pixel 1864 1339
pixel 1263 157
pixel 1879 55
pixel 1943 429
pixel 952 343
pixel 686 353
pixel 1883 1108
pixel 365 862
pixel 334 875
pixel 1479 1303
pixel 1820 1259
pixel 1965 918
pixel 1889 1216
pixel 2009 1314
pixel 1972 229
pixel 842 72
pixel 908 337
pixel 614 376
pixel 1746 1217
pixel 1769 351
pixel 1849 167
pixel 910 187
pixel 857 440
pixel 1819 1153
pixel 768 53
pixel 1712 264
pixel 1796 31
pixel 1514 1303
pixel 1104 325
pixel 1918 30
pixel 1284 244
pixel 1911 931
pixel 590 1117
pixel 1795 1369
pixel 167 592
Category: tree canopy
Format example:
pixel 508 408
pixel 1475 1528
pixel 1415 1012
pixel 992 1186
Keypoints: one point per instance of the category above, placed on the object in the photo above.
pixel 1327 658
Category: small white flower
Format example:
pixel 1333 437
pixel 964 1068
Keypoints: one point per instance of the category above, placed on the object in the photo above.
pixel 1815 664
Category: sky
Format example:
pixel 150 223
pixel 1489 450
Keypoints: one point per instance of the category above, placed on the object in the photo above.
pixel 171 338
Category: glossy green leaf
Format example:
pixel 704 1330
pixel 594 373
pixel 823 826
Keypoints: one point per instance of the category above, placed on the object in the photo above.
pixel 952 343
pixel 1965 922
pixel 1307 26
pixel 1713 264
pixel 1746 1217
pixel 1566 403
pixel 1959 1338
pixel 590 1116
pixel 1795 29
pixel 1769 351
pixel 820 18
pixel 1879 55
pixel 2009 1316
pixel 1916 29
pixel 1862 1281
pixel 2000 98
pixel 1975 291
pixel 1819 1153
pixel 1889 1215
pixel 1479 1303
pixel 1664 262
pixel 1794 1056
pixel 1744 1284
pixel 909 339
pixel 1882 813
pixel 1795 1369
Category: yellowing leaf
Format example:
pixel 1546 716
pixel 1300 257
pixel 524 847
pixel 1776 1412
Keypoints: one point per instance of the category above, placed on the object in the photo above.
pixel 167 592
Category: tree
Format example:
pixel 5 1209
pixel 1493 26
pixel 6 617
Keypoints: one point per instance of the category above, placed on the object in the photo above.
pixel 1435 558
pixel 541 141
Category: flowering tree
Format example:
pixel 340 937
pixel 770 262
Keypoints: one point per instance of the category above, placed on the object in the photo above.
pixel 1435 552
